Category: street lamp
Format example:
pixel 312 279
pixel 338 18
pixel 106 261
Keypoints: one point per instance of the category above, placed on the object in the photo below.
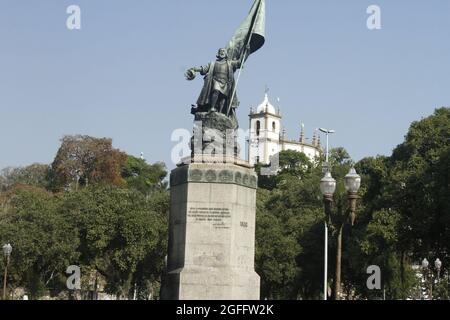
pixel 327 186
pixel 438 265
pixel 7 249
pixel 352 183
pixel 428 273
pixel 425 263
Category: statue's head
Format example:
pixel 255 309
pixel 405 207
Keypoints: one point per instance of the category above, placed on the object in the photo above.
pixel 222 54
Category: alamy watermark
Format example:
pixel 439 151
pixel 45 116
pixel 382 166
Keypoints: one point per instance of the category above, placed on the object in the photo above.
pixel 73 22
pixel 74 277
pixel 374 281
pixel 374 20
pixel 217 146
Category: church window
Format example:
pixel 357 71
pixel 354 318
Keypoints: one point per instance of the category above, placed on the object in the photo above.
pixel 274 126
pixel 258 127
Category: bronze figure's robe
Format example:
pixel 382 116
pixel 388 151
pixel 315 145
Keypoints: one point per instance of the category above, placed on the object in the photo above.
pixel 219 75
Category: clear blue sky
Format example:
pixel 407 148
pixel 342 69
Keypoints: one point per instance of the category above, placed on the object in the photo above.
pixel 121 76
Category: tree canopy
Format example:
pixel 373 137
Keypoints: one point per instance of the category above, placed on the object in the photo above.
pixel 403 216
pixel 81 160
pixel 112 223
pixel 107 212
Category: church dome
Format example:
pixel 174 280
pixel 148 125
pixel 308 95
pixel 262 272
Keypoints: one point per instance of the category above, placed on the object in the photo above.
pixel 266 106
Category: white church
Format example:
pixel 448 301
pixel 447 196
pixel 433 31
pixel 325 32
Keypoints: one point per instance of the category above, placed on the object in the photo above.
pixel 268 138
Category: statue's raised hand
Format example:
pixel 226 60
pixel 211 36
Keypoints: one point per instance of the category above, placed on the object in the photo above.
pixel 190 74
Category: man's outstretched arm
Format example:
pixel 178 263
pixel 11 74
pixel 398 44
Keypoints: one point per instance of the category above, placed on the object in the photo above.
pixel 190 74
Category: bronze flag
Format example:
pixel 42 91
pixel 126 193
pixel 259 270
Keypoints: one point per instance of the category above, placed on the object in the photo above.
pixel 251 33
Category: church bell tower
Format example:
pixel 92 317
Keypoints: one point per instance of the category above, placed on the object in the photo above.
pixel 265 129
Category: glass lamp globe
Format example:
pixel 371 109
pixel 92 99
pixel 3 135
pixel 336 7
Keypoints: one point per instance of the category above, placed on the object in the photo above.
pixel 327 184
pixel 438 263
pixel 352 181
pixel 425 263
pixel 7 249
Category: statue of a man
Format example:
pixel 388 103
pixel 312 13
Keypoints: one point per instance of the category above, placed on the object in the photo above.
pixel 219 84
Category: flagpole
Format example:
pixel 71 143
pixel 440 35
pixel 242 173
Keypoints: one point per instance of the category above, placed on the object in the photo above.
pixel 243 62
pixel 237 82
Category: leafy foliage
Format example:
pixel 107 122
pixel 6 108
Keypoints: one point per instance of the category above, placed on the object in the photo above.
pixel 83 160
pixel 33 175
pixel 286 212
pixel 44 242
pixel 143 177
pixel 112 219
pixel 112 224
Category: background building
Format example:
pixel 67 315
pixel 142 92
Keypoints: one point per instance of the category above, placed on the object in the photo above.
pixel 267 136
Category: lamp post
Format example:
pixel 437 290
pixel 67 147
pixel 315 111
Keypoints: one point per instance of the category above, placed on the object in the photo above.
pixel 428 274
pixel 438 265
pixel 326 169
pixel 328 186
pixel 7 249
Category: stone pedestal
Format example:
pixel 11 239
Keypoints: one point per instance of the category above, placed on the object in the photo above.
pixel 212 233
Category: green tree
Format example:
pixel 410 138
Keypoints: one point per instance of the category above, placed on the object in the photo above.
pixel 288 210
pixel 142 176
pixel 33 175
pixel 275 254
pixel 119 230
pixel 44 242
pixel 292 164
pixel 114 228
pixel 420 187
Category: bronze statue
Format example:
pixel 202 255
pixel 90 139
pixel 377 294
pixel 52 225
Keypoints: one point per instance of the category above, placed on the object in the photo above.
pixel 219 90
pixel 215 113
pixel 219 84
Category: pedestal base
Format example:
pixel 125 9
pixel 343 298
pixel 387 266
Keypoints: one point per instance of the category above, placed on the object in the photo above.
pixel 212 233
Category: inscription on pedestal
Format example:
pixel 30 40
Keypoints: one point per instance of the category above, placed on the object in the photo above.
pixel 220 218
